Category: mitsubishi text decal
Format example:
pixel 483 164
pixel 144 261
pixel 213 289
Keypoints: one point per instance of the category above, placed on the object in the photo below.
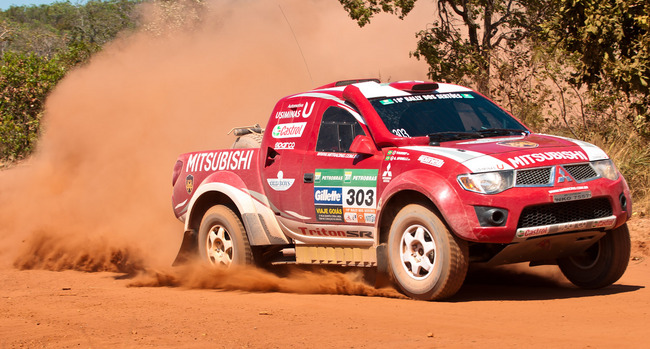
pixel 219 161
pixel 523 160
pixel 345 195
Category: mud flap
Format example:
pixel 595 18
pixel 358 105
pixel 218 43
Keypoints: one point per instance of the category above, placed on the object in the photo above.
pixel 188 250
pixel 382 258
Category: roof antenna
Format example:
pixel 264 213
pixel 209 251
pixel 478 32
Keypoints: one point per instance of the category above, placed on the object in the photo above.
pixel 298 44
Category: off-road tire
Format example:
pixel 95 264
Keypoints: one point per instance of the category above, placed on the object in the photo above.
pixel 222 238
pixel 602 264
pixel 418 239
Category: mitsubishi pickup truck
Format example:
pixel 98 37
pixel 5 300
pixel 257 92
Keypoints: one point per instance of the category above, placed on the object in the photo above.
pixel 417 180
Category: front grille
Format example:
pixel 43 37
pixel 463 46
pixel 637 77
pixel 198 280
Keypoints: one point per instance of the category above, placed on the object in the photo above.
pixel 564 212
pixel 581 172
pixel 536 176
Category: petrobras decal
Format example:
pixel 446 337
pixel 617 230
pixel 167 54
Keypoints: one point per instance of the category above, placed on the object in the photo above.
pixel 530 159
pixel 229 160
pixel 290 130
pixel 328 196
pixel 280 183
pixel 295 111
pixel 284 145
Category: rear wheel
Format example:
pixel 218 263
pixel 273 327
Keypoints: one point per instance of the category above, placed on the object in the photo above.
pixel 425 260
pixel 602 264
pixel 222 238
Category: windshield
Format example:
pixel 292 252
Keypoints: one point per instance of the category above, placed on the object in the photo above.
pixel 465 115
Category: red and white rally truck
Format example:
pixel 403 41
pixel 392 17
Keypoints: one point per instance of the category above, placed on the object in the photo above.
pixel 416 179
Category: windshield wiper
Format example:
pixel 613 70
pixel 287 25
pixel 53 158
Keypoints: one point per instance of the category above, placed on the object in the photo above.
pixel 436 138
pixel 501 132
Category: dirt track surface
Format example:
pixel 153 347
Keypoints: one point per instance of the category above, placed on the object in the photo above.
pixel 511 307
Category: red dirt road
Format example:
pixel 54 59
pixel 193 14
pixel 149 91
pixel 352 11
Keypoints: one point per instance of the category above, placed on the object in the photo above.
pixel 503 308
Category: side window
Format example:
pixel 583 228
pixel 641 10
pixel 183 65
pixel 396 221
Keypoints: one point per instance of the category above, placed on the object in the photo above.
pixel 338 129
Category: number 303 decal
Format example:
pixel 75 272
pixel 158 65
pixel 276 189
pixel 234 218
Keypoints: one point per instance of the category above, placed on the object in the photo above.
pixel 360 197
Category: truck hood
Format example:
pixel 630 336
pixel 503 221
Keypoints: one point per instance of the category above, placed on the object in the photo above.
pixel 506 153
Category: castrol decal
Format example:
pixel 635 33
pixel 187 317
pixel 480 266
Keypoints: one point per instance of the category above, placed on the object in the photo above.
pixel 290 130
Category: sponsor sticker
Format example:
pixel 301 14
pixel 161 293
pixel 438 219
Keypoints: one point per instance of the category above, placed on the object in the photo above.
pixel 329 213
pixel 285 145
pixel 337 155
pixel 333 232
pixel 430 160
pixel 396 155
pixel 326 196
pixel 295 112
pixel 387 175
pixel 189 183
pixel 230 160
pixel 280 183
pixel 606 222
pixel 351 191
pixel 519 144
pixel 529 159
pixel 289 130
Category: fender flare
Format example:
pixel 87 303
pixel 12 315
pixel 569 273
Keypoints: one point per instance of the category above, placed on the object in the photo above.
pixel 254 208
pixel 439 191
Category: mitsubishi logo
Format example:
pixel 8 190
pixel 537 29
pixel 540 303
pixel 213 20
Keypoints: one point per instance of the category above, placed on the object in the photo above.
pixel 563 176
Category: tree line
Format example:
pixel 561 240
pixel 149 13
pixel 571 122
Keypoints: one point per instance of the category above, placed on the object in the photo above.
pixel 38 46
pixel 575 67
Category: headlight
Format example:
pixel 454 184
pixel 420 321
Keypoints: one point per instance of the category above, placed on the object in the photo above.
pixel 606 169
pixel 488 182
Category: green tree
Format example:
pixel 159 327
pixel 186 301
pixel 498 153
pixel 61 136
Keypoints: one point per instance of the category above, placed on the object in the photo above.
pixel 467 38
pixel 25 80
pixel 611 41
pixel 38 45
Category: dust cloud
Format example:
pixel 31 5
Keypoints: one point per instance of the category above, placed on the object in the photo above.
pixel 249 279
pixel 96 194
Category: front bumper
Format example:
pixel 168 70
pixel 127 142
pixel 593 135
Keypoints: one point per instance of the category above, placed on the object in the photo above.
pixel 531 212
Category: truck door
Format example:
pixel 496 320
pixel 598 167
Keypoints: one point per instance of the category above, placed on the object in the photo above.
pixel 286 139
pixel 339 194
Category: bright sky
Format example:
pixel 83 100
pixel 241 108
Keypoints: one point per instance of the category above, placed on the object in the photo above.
pixel 5 4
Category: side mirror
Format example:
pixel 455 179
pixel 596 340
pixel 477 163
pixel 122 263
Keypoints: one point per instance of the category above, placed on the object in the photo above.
pixel 363 145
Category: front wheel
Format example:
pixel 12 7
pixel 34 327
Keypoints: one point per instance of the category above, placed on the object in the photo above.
pixel 222 238
pixel 602 264
pixel 425 260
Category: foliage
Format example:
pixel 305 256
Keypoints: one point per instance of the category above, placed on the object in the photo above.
pixel 38 45
pixel 25 80
pixel 469 36
pixel 611 40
